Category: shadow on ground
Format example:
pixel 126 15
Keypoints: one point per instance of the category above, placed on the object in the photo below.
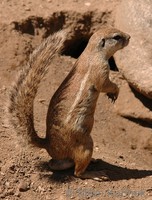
pixel 114 172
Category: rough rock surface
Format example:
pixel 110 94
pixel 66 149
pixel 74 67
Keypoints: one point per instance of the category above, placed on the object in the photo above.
pixel 131 104
pixel 135 61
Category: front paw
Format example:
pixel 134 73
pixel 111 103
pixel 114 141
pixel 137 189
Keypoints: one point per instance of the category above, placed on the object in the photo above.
pixel 113 96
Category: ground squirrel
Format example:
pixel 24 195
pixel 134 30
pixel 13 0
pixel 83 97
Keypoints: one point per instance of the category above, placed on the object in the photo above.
pixel 70 114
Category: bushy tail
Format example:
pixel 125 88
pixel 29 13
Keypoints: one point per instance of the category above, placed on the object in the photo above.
pixel 23 92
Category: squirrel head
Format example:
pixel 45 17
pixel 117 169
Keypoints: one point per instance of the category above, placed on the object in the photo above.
pixel 107 41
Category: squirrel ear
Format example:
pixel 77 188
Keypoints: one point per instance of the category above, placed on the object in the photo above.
pixel 102 43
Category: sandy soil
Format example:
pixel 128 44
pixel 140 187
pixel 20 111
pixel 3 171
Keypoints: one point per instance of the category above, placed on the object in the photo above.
pixel 119 144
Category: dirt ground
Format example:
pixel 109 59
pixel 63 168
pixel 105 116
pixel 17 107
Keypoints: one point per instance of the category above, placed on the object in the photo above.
pixel 120 145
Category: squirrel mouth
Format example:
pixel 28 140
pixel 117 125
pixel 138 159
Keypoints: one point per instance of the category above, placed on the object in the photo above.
pixel 126 42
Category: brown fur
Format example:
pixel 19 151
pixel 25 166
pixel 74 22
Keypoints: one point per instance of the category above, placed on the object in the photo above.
pixel 23 91
pixel 70 114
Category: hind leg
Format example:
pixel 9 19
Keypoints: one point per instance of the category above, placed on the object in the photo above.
pixel 82 158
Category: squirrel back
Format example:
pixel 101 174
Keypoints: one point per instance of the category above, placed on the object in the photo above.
pixel 23 92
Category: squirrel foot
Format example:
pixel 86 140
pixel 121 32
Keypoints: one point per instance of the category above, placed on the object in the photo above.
pixel 95 175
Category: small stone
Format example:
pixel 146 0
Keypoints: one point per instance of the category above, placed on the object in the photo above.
pixel 10 192
pixel 96 148
pixel 133 164
pixel 41 100
pixel 7 184
pixel 17 194
pixel 87 4
pixel 150 189
pixel 124 195
pixel 23 186
pixel 133 146
pixel 41 189
pixel 1 173
pixel 27 9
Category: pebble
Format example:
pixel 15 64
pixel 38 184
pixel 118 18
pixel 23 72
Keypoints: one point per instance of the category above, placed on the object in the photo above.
pixel 23 186
pixel 150 189
pixel 87 4
pixel 10 192
pixel 41 100
pixel 96 148
pixel 41 189
pixel 27 9
pixel 7 184
pixel 17 194
pixel 124 194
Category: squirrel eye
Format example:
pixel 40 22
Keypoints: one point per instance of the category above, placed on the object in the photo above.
pixel 102 43
pixel 117 37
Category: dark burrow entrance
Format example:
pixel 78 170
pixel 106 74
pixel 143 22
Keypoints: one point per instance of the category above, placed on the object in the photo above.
pixel 75 48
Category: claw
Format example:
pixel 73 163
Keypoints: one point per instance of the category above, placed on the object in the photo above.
pixel 113 97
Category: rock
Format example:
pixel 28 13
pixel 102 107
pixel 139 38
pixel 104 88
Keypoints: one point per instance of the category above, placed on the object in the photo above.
pixel 10 192
pixel 27 9
pixel 135 61
pixel 131 104
pixel 23 186
pixel 7 184
pixel 17 194
pixel 41 189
